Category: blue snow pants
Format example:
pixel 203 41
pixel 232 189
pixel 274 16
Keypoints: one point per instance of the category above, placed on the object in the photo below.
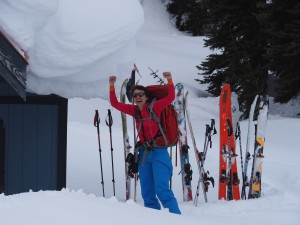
pixel 155 173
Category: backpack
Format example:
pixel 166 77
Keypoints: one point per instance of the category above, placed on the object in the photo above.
pixel 168 134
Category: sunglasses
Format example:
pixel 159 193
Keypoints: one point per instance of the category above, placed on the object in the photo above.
pixel 140 94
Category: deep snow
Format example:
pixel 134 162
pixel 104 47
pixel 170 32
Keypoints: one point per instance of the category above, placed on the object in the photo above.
pixel 160 46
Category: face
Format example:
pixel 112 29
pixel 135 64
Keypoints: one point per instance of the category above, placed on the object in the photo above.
pixel 139 98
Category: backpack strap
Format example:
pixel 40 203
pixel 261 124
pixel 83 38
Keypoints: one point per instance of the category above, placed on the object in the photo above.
pixel 153 115
pixel 138 117
pixel 157 120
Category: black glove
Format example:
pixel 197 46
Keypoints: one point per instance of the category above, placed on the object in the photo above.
pixel 132 165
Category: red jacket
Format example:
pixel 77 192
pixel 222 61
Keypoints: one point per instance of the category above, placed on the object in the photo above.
pixel 150 126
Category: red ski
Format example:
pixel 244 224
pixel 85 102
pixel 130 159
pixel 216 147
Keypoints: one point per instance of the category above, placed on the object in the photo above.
pixel 228 174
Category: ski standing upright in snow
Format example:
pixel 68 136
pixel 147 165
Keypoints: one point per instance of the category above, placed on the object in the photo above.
pixel 126 143
pixel 256 172
pixel 228 173
pixel 186 171
pixel 247 153
pixel 130 160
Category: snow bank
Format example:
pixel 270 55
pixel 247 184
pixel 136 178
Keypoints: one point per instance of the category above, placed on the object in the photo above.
pixel 72 43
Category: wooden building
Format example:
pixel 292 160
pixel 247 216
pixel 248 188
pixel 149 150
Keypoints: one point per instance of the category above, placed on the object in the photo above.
pixel 33 130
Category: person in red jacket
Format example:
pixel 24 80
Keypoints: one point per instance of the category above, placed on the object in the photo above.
pixel 154 164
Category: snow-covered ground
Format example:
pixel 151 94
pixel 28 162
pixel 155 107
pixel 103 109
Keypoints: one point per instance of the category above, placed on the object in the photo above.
pixel 160 46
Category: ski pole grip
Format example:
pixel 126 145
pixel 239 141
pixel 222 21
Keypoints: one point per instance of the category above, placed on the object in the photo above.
pixel 96 118
pixel 207 131
pixel 110 120
pixel 213 126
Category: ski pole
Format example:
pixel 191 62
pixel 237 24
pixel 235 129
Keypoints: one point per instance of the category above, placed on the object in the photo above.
pixel 109 122
pixel 96 124
pixel 253 164
pixel 229 160
pixel 202 156
pixel 171 155
pixel 208 134
pixel 238 136
pixel 176 156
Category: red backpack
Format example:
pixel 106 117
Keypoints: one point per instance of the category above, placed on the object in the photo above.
pixel 167 121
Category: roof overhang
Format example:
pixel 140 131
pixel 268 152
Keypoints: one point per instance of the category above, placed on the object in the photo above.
pixel 13 64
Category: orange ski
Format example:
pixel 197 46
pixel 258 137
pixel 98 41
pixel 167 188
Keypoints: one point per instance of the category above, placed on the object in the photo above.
pixel 228 174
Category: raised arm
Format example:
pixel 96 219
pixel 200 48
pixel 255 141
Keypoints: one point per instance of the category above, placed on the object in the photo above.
pixel 160 104
pixel 125 108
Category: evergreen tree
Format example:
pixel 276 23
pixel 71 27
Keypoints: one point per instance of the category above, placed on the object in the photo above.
pixel 189 15
pixel 240 43
pixel 252 41
pixel 284 47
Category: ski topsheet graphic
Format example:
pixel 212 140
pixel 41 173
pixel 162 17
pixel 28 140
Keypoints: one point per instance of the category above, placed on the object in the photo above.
pixel 260 132
pixel 186 171
pixel 228 174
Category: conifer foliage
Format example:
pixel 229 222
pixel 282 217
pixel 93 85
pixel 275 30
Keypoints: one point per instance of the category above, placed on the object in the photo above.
pixel 239 40
pixel 283 18
pixel 189 15
pixel 253 41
